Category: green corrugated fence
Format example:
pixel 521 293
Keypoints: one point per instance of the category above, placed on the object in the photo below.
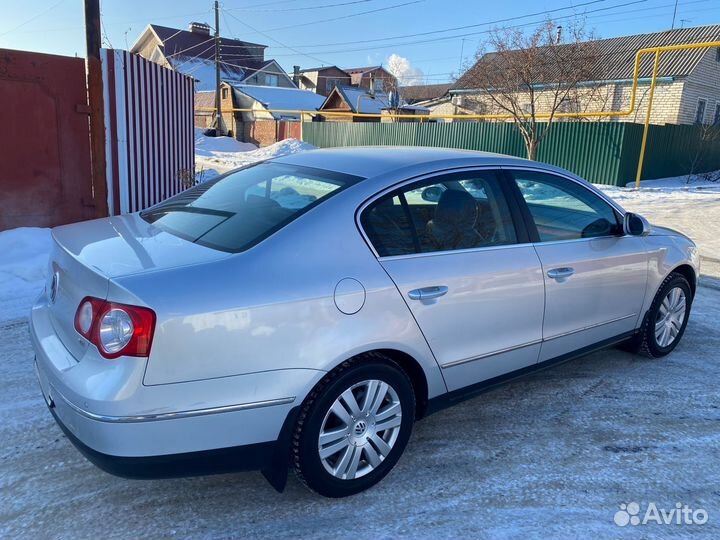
pixel 602 152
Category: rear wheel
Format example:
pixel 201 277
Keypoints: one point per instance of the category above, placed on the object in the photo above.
pixel 354 426
pixel 666 320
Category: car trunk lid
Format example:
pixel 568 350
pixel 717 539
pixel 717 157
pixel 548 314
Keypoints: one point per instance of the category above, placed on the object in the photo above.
pixel 86 256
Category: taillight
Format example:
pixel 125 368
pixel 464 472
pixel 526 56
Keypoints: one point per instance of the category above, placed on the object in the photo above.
pixel 116 329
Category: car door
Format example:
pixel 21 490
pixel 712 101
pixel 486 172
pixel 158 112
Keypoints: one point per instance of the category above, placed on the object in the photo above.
pixel 595 275
pixel 468 274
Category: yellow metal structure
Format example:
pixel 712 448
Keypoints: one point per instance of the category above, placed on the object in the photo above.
pixel 657 51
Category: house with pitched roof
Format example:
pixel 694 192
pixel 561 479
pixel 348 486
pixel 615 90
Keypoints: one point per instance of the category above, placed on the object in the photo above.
pixel 321 80
pixel 688 81
pixel 192 52
pixel 376 78
pixel 351 99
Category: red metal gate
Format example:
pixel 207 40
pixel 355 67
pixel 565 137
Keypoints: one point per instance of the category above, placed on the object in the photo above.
pixel 45 176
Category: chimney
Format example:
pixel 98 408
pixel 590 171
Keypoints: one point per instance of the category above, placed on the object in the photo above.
pixel 199 28
pixel 296 75
pixel 558 38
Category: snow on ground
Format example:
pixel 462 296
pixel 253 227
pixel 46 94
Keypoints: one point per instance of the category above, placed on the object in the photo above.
pixel 225 153
pixel 23 267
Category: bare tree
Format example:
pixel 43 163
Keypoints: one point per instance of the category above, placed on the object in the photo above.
pixel 706 139
pixel 534 76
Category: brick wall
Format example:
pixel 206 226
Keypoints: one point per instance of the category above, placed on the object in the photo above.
pixel 608 97
pixel 260 132
pixel 702 83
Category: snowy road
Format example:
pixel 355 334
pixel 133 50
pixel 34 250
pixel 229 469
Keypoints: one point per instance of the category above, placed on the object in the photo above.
pixel 549 456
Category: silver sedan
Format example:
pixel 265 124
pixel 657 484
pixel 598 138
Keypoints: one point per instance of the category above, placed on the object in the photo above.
pixel 303 312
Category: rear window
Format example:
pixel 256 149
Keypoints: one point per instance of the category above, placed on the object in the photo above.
pixel 234 212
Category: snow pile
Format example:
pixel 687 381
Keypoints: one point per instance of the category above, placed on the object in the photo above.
pixel 225 153
pixel 23 268
pixel 217 147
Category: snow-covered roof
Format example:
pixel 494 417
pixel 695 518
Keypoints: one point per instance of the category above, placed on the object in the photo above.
pixel 368 104
pixel 203 71
pixel 280 98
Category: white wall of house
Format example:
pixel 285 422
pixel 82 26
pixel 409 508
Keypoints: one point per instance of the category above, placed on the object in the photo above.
pixel 674 101
pixel 703 83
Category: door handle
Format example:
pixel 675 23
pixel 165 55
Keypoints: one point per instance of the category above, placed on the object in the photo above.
pixel 561 274
pixel 428 293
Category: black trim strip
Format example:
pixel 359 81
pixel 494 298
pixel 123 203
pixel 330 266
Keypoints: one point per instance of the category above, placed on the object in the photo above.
pixel 451 398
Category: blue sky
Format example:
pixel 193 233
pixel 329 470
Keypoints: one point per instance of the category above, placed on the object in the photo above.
pixel 348 33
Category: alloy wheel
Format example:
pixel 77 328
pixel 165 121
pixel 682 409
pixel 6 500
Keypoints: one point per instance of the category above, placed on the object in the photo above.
pixel 670 317
pixel 360 429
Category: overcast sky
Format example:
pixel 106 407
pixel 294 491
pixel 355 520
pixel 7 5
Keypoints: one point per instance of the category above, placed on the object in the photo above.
pixel 347 33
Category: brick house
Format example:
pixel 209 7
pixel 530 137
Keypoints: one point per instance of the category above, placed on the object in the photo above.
pixel 376 77
pixel 687 91
pixel 192 52
pixel 321 80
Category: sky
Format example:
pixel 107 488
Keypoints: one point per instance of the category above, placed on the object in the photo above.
pixel 429 40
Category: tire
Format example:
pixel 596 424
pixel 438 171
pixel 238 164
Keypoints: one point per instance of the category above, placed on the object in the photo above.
pixel 650 341
pixel 356 455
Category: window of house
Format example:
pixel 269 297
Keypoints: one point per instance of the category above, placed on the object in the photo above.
pixel 717 54
pixel 569 105
pixel 271 80
pixel 331 83
pixel 224 93
pixel 700 111
pixel 716 117
pixel 563 209
pixel 444 213
pixel 378 85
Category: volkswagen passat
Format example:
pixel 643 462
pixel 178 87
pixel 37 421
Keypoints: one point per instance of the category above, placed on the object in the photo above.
pixel 303 312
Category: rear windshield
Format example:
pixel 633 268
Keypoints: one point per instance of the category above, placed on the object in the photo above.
pixel 236 211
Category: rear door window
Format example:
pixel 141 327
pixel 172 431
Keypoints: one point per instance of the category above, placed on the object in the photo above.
pixel 234 212
pixel 447 212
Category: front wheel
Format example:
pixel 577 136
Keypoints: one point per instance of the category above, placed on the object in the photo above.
pixel 667 318
pixel 354 426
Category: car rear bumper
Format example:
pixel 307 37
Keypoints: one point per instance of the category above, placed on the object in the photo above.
pixel 132 430
pixel 258 456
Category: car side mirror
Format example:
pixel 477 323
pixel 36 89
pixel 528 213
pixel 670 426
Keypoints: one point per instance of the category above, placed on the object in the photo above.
pixel 636 225
pixel 432 193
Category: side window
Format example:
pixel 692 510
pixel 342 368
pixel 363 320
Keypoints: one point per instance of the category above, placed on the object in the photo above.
pixel 564 210
pixel 455 211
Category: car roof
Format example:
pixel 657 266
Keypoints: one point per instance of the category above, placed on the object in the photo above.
pixel 371 161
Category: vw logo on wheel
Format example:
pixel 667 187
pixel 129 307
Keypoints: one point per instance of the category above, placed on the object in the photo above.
pixel 54 284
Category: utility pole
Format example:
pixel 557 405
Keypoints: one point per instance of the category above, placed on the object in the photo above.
pixel 674 13
pixel 462 54
pixel 93 41
pixel 219 125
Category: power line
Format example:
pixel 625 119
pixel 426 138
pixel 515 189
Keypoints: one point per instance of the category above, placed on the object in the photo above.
pixel 386 8
pixel 464 27
pixel 276 41
pixel 183 51
pixel 31 19
pixel 299 8
pixel 457 36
